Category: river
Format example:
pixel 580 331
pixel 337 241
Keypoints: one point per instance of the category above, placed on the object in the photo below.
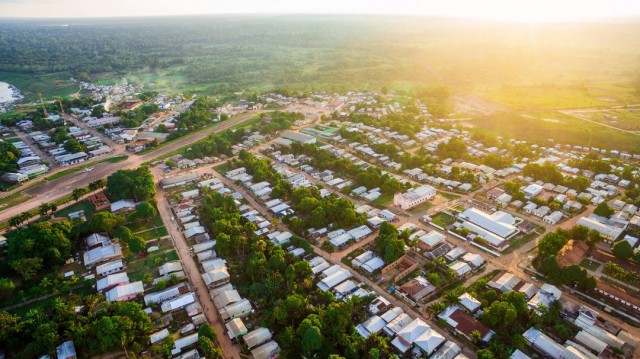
pixel 7 93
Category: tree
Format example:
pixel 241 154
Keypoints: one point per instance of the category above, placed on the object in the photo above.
pixel 485 354
pixel 105 222
pixel 28 268
pixel 97 111
pixel 207 332
pixel 603 210
pixel 123 233
pixel 312 341
pixel 162 128
pixel 137 184
pixel 145 211
pixel 137 245
pixel 6 285
pixel 78 193
pixel 97 184
pixel 622 249
pixel 44 209
pixel 73 146
pixel 170 163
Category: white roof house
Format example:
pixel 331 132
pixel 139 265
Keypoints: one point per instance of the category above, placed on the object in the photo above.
pixel 102 254
pixel 469 302
pixel 500 223
pixel 431 239
pixel 542 343
pixel 158 336
pixel 461 268
pixel 257 337
pixel 193 231
pixel 216 277
pixel 236 328
pixel 414 197
pixel 268 350
pixel 591 342
pixel 170 267
pixel 66 350
pixel 532 190
pixel 391 314
pixel 334 279
pixel 448 350
pixel 474 259
pixel 110 267
pixel 372 325
pixel 236 310
pixel 184 342
pixel 122 205
pixel 606 230
pixel 545 296
pixel 124 292
pixel 178 303
pixel 505 282
pixel 227 297
pixel 373 264
pixel 455 253
pixel 430 340
pixel 398 323
pixel 112 280
pixel 165 294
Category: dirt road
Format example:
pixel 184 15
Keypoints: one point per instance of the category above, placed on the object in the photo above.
pixel 58 188
pixel 191 269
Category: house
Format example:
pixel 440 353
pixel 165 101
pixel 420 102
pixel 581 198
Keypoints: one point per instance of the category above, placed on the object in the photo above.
pixel 216 277
pixel 334 279
pixel 545 345
pixel 373 325
pixel 236 329
pixel 414 197
pixel 169 267
pixel 72 158
pixel 257 337
pixel 464 324
pixel 123 206
pixel 399 322
pixel 499 223
pixel 469 303
pixel 112 280
pixel 125 292
pixel 66 350
pixel 184 342
pixel 96 240
pixel 177 303
pixel 448 350
pixel 609 232
pixel 454 254
pixel 544 297
pixel 298 137
pixel 110 267
pixel 417 288
pixel 99 201
pixel 553 218
pixel 475 260
pixel 430 240
pixel 227 297
pixel 236 310
pixel 532 190
pixel 268 350
pixel 461 268
pixel 166 294
pixel 158 336
pixel 102 254
pixel 421 335
pixel 504 282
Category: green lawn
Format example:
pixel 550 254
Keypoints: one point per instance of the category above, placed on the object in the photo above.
pixel 543 97
pixel 83 205
pixel 155 233
pixel 443 219
pixel 50 85
pixel 449 196
pixel 422 207
pixel 383 200
pixel 13 199
pixel 522 239
pixel 137 267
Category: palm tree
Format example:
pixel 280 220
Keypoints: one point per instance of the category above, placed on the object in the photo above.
pixel 451 297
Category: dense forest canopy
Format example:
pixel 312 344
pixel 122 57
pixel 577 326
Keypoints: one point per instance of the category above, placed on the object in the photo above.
pixel 322 52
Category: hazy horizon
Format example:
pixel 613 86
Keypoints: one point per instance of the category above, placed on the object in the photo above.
pixel 493 10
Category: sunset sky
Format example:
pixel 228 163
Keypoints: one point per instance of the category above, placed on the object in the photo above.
pixel 509 10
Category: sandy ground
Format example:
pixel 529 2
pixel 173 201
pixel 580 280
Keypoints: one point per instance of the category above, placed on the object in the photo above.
pixel 474 104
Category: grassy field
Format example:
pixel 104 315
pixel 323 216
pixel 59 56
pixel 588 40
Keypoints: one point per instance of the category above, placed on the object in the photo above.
pixel 50 85
pixel 545 97
pixel 383 200
pixel 83 205
pixel 442 219
pixel 540 126
pixel 522 239
pixel 422 207
pixel 625 119
pixel 13 199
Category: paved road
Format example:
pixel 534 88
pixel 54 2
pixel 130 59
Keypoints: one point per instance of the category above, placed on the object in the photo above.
pixel 52 190
pixel 191 269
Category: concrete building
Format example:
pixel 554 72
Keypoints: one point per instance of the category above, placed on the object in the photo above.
pixel 414 197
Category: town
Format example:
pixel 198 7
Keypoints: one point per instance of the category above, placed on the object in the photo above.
pixel 328 225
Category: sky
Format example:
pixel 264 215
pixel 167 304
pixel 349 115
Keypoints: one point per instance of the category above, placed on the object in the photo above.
pixel 503 10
